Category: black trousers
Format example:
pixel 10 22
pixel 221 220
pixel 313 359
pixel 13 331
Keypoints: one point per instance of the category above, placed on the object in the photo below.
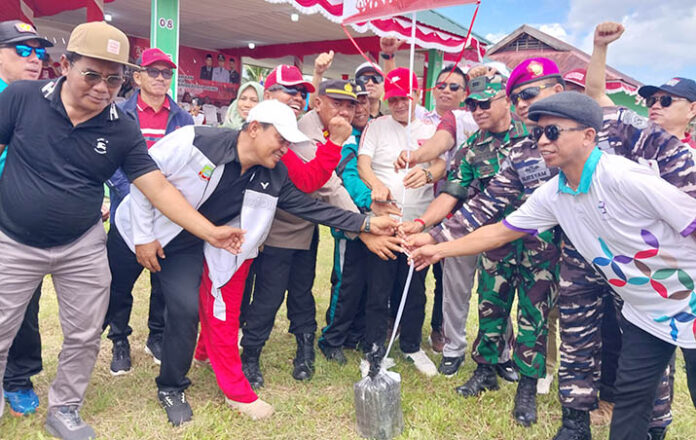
pixel 385 280
pixel 24 357
pixel 611 347
pixel 179 280
pixel 436 317
pixel 642 363
pixel 345 317
pixel 122 262
pixel 279 270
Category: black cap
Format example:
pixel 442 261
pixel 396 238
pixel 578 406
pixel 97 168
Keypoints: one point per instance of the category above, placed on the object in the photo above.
pixel 682 87
pixel 338 89
pixel 360 89
pixel 16 31
pixel 569 105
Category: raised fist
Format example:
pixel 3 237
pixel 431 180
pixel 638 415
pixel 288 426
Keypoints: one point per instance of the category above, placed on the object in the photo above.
pixel 607 32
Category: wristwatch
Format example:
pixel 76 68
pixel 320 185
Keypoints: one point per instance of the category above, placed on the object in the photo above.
pixel 428 176
pixel 367 224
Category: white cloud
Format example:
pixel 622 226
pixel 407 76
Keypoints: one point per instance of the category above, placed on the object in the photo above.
pixel 495 37
pixel 554 29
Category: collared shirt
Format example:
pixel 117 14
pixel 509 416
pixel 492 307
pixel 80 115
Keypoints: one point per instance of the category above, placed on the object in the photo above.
pixel 634 227
pixel 53 185
pixel 153 124
pixel 221 74
pixel 585 178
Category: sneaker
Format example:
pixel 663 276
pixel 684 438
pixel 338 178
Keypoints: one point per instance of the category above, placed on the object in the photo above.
pixel 177 408
pixel 154 349
pixel 256 410
pixel 544 384
pixel 450 365
pixel 507 371
pixel 437 341
pixel 602 415
pixel 22 402
pixel 64 422
pixel 422 363
pixel 121 360
pixel 483 379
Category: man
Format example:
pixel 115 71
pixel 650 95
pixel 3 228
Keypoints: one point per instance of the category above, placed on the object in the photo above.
pixel 374 82
pixel 20 57
pixel 286 84
pixel 220 73
pixel 157 114
pixel 52 224
pixel 234 75
pixel 288 259
pixel 580 287
pixel 207 68
pixel 380 145
pixel 610 208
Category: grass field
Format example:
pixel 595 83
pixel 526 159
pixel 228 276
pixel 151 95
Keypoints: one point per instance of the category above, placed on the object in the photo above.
pixel 126 407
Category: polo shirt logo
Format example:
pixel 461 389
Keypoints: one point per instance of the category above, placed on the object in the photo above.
pixel 101 146
pixel 205 173
pixel 264 185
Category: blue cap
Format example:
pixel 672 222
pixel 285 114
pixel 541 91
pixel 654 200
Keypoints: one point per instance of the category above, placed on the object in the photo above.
pixel 682 87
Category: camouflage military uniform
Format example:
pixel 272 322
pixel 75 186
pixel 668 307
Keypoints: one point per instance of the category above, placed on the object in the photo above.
pixel 528 266
pixel 582 289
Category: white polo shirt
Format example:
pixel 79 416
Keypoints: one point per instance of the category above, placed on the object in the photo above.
pixel 636 229
pixel 383 140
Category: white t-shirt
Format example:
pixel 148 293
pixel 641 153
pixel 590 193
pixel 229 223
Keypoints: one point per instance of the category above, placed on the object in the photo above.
pixel 635 228
pixel 383 140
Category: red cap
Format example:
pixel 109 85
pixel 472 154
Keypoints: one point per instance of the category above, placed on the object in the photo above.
pixel 287 76
pixel 396 83
pixel 154 55
pixel 575 76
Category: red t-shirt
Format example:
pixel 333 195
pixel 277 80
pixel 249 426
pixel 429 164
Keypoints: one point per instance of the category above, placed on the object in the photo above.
pixel 449 124
pixel 689 140
pixel 153 124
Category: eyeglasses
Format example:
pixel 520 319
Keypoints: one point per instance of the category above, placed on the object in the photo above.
pixel 471 104
pixel 25 51
pixel 529 93
pixel 94 78
pixel 154 73
pixel 377 79
pixel 290 90
pixel 552 132
pixel 452 86
pixel 665 100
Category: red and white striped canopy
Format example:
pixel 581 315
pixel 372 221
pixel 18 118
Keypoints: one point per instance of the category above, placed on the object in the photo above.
pixel 427 37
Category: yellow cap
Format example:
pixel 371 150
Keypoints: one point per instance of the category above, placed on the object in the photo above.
pixel 100 40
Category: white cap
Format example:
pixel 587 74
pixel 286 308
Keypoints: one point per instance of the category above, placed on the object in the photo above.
pixel 279 115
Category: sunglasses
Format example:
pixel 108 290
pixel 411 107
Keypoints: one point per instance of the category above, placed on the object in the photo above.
pixel 552 132
pixel 528 93
pixel 471 104
pixel 94 78
pixel 25 51
pixel 377 79
pixel 290 90
pixel 452 86
pixel 665 100
pixel 154 73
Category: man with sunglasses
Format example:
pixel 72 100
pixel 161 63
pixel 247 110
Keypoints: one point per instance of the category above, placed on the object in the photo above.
pixel 582 291
pixel 21 53
pixel 157 115
pixel 374 83
pixel 66 138
pixel 631 224
pixel 286 84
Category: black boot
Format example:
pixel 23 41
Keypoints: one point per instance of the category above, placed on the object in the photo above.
pixel 507 371
pixel 657 433
pixel 576 425
pixel 484 378
pixel 304 358
pixel 251 367
pixel 525 401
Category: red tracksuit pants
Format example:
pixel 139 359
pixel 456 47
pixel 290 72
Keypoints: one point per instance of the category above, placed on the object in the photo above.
pixel 218 339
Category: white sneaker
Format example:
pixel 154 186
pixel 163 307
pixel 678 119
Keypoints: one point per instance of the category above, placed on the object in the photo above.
pixel 422 363
pixel 544 384
pixel 387 363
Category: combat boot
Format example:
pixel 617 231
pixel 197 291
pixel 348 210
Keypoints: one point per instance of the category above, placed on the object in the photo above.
pixel 484 379
pixel 303 364
pixel 657 433
pixel 525 401
pixel 250 366
pixel 576 425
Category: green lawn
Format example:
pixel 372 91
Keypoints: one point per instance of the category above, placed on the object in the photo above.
pixel 127 408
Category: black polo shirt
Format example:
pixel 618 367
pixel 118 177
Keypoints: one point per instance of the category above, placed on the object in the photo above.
pixel 53 185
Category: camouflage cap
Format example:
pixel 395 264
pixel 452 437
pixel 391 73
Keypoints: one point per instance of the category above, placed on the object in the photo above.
pixel 483 88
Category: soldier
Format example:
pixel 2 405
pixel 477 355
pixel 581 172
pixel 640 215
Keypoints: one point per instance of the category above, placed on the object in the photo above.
pixel 582 289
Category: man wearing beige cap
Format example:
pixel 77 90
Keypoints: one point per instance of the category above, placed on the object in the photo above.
pixel 66 139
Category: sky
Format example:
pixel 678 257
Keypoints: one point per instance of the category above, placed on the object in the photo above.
pixel 659 42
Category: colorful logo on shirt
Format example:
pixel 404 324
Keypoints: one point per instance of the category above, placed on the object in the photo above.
pixel 205 173
pixel 682 317
pixel 100 147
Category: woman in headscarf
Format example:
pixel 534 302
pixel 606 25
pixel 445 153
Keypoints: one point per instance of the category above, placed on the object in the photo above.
pixel 248 95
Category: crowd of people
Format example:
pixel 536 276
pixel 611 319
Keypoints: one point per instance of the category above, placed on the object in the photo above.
pixel 581 210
